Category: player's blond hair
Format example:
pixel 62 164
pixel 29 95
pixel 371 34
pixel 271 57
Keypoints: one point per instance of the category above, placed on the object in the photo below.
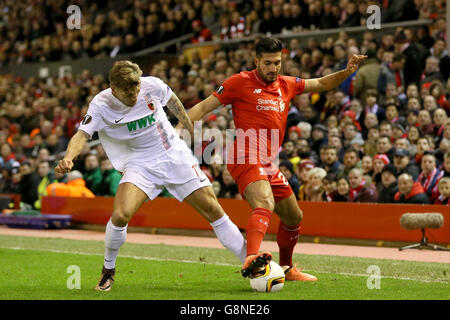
pixel 124 75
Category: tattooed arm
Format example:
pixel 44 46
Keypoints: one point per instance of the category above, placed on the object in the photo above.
pixel 176 107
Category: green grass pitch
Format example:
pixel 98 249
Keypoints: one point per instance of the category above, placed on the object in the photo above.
pixel 37 268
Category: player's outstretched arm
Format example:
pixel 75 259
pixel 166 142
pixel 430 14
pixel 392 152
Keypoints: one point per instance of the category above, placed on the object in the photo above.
pixel 333 80
pixel 74 148
pixel 202 108
pixel 176 107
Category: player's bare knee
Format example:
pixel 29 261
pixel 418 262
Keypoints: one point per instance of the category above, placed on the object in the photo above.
pixel 120 218
pixel 296 218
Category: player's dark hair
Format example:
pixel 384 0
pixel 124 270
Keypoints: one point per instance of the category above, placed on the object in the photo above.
pixel 268 45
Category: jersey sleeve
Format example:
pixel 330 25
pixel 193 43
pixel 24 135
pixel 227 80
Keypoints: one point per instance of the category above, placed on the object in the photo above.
pixel 92 121
pixel 229 91
pixel 161 90
pixel 299 85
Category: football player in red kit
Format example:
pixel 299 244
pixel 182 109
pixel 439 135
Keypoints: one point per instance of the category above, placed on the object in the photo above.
pixel 260 103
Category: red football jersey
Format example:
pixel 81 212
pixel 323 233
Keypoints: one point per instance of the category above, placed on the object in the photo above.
pixel 260 111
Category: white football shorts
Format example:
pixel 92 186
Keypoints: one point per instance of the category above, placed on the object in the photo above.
pixel 179 172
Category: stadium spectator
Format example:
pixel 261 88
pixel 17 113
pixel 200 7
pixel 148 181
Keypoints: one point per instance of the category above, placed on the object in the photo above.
pixel 331 161
pixel 228 188
pixel 318 136
pixel 392 115
pixel 360 189
pixel 110 180
pixel 438 50
pixel 201 33
pixel 446 165
pixel 343 190
pixel 287 169
pixel 314 189
pixel 276 20
pixel 438 92
pixel 380 161
pixel 410 191
pixel 430 176
pixel 370 145
pixel 303 169
pixel 384 146
pixel 392 72
pixel 350 133
pixel 47 177
pixel 351 160
pixel 388 187
pixel 352 16
pixel 93 173
pixel 28 186
pixel 431 71
pixel 304 150
pixel 429 104
pixel 289 150
pixel 444 191
pixel 192 94
pixel 423 145
pixel 294 133
pixel 403 165
pixel 367 167
pixel 386 129
pixel 330 187
pixel 367 76
pixel 74 187
pixel 413 62
pixel 11 178
pixel 371 106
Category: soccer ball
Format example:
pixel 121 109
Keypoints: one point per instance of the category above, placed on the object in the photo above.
pixel 271 279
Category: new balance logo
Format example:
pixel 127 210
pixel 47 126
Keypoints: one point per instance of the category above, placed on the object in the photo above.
pixel 257 91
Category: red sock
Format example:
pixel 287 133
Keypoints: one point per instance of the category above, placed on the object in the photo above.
pixel 256 229
pixel 287 237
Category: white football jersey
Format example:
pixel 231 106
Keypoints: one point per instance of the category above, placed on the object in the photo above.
pixel 140 133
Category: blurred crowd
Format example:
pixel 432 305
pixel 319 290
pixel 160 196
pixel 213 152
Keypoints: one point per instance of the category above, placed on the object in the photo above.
pixel 36 31
pixel 382 136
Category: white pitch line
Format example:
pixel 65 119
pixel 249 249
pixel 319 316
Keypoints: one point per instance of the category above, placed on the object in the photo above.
pixel 216 263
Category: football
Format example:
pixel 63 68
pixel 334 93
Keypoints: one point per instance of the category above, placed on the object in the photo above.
pixel 271 279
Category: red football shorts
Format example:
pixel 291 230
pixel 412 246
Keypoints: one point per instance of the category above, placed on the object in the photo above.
pixel 244 174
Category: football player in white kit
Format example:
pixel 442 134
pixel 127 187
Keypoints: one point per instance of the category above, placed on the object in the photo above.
pixel 142 144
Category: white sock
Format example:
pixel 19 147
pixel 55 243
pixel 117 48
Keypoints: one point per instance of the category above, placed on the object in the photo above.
pixel 230 237
pixel 114 238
